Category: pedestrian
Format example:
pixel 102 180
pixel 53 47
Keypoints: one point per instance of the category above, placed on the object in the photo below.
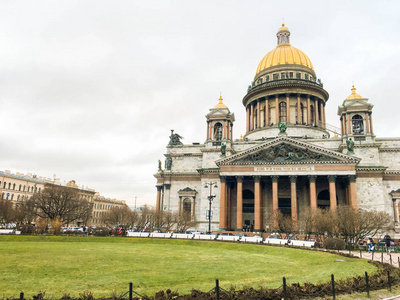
pixel 387 243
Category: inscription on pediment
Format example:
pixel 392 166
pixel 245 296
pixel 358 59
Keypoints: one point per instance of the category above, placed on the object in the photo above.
pixel 285 153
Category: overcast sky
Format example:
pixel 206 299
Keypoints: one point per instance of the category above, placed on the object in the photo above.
pixel 89 90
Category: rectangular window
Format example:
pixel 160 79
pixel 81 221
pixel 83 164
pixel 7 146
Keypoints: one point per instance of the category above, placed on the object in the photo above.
pixel 306 76
pixel 267 78
pixel 275 76
pixel 291 74
pixel 283 75
pixel 298 75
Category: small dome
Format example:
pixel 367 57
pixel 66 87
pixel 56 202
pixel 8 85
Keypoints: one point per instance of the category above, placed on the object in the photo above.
pixel 283 28
pixel 284 54
pixel 354 95
pixel 220 104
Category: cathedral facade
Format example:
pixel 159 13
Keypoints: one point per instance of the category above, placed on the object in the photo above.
pixel 289 160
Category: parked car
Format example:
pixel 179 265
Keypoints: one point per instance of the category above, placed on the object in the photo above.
pixel 274 236
pixel 241 234
pixel 227 234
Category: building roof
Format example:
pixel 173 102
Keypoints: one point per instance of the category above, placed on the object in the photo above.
pixel 354 95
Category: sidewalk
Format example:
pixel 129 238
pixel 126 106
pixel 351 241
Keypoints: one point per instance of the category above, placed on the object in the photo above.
pixel 392 258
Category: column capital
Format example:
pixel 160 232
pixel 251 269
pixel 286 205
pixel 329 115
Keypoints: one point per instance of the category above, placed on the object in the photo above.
pixel 167 186
pixel 308 97
pixel 352 178
pixel 159 187
pixel 312 178
pixel 223 178
pixel 274 178
pixel 239 178
pixel 257 178
pixel 293 178
pixel 332 178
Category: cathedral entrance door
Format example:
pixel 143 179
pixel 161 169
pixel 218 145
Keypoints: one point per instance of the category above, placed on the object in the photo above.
pixel 248 210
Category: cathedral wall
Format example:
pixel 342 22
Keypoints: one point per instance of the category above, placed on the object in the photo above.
pixel 371 195
pixel 391 159
pixel 209 158
pixel 186 163
pixel 368 155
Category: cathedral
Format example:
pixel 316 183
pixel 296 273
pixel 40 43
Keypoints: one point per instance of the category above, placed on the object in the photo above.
pixel 290 160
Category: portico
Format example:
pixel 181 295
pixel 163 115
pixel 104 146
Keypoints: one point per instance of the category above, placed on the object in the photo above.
pixel 285 175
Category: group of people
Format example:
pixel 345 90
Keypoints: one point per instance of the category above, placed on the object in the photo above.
pixel 387 240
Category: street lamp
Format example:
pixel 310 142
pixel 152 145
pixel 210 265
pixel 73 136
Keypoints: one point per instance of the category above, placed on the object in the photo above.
pixel 210 199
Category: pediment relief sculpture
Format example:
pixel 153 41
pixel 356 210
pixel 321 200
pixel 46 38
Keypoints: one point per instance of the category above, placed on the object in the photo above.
pixel 284 153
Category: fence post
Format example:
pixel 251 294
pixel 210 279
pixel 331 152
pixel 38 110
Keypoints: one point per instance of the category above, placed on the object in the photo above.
pixel 21 296
pixel 390 284
pixel 367 283
pixel 284 287
pixel 130 291
pixel 398 260
pixel 390 258
pixel 360 254
pixel 373 255
pixel 333 287
pixel 382 257
pixel 217 288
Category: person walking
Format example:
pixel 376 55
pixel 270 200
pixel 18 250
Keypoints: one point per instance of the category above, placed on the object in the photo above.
pixel 387 243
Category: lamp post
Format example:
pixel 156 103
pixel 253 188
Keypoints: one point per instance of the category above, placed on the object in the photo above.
pixel 210 199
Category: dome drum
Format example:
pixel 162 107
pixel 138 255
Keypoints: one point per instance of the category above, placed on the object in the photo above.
pixel 295 131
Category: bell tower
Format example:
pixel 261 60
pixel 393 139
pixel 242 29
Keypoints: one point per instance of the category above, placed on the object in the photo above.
pixel 356 118
pixel 220 124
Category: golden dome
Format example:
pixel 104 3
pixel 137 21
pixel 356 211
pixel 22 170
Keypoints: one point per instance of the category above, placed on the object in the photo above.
pixel 354 95
pixel 220 104
pixel 283 28
pixel 284 54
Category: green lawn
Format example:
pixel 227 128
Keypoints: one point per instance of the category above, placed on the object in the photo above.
pixel 73 265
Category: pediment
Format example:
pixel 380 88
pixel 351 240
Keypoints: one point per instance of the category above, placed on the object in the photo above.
pixel 284 150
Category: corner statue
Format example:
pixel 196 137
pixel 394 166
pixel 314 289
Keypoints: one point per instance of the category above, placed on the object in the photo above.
pixel 282 128
pixel 174 139
pixel 350 146
pixel 159 166
pixel 223 149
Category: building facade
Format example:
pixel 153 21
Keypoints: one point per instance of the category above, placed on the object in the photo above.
pixel 101 206
pixel 289 160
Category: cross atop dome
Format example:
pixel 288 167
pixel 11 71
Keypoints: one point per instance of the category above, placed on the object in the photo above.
pixel 220 104
pixel 354 95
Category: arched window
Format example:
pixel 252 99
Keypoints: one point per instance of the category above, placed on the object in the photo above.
pixel 358 125
pixel 29 188
pixel 218 131
pixel 282 112
pixel 12 197
pixel 9 185
pixel 187 206
pixel 14 186
pixel 312 114
pixel 24 188
pixel 4 186
pixel 19 189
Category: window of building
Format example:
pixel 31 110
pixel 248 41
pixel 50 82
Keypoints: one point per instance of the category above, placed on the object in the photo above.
pixel 283 75
pixel 12 196
pixel 218 131
pixel 282 112
pixel 29 188
pixel 298 75
pixel 301 113
pixel 306 76
pixel 358 124
pixel 269 115
pixel 9 185
pixel 276 76
pixel 24 189
pixel 187 206
pixel 290 74
pixel 312 114
pixel 14 186
pixel 19 196
pixel 267 78
pixel 20 186
pixel 259 81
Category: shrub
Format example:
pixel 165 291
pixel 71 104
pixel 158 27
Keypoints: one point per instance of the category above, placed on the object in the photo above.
pixel 334 244
pixel 27 229
pixel 101 231
pixel 55 227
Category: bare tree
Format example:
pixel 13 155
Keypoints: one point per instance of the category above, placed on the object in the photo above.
pixel 63 203
pixel 117 216
pixel 7 211
pixel 324 223
pixel 354 225
pixel 284 223
pixel 183 221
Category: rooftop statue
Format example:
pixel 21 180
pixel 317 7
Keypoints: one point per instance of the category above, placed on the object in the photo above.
pixel 350 146
pixel 223 149
pixel 282 128
pixel 174 139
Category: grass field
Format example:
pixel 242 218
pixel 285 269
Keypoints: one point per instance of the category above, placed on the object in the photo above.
pixel 72 265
